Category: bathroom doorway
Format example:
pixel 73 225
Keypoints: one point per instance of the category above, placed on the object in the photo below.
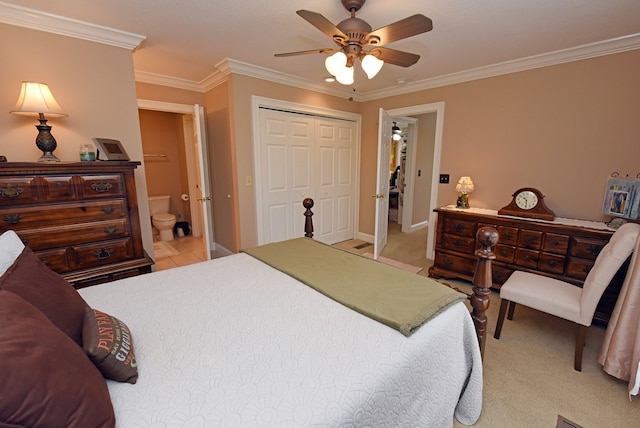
pixel 175 166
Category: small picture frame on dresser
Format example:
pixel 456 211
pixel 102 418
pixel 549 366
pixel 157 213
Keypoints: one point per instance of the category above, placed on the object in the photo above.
pixel 109 149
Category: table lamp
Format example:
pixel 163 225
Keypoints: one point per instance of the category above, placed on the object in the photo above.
pixel 464 187
pixel 36 100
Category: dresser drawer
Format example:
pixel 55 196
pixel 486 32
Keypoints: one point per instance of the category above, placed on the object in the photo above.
pixel 56 259
pixel 455 263
pixel 552 263
pixel 505 253
pixel 461 244
pixel 101 186
pixel 555 243
pixel 103 253
pixel 500 274
pixel 531 239
pixel 527 258
pixel 460 227
pixel 507 235
pixel 586 248
pixel 17 190
pixel 579 268
pixel 30 216
pixel 58 188
pixel 58 236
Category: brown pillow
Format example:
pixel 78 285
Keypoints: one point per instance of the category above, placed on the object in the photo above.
pixel 32 280
pixel 45 379
pixel 109 344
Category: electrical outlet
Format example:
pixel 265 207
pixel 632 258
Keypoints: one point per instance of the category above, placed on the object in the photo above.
pixel 444 178
pixel 249 181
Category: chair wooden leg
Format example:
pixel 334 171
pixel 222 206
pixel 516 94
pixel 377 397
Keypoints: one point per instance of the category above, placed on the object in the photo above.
pixel 512 308
pixel 503 311
pixel 580 342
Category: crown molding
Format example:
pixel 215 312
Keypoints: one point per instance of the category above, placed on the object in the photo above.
pixel 228 66
pixel 56 24
pixel 591 50
pixel 172 82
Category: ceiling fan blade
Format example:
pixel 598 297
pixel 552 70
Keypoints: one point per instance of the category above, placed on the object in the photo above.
pixel 311 51
pixel 322 24
pixel 392 56
pixel 402 29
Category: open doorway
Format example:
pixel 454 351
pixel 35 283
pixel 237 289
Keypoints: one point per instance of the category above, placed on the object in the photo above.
pixel 422 167
pixel 176 165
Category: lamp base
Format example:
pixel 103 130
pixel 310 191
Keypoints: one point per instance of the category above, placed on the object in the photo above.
pixel 45 141
pixel 48 157
pixel 463 201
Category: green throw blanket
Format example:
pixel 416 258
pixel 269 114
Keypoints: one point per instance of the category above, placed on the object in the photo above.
pixel 392 296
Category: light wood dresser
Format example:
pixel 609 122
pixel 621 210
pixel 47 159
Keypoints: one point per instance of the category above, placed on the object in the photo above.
pixel 564 249
pixel 80 218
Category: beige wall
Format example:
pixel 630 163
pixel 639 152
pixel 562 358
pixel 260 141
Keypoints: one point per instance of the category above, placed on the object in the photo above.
pixel 562 129
pixel 165 161
pixel 94 85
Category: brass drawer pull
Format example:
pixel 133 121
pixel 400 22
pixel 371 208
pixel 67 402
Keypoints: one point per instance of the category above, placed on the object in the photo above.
pixel 107 209
pixel 12 218
pixel 110 230
pixel 11 191
pixel 101 187
pixel 102 253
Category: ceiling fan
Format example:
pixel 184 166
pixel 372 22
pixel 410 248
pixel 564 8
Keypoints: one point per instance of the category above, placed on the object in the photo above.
pixel 353 35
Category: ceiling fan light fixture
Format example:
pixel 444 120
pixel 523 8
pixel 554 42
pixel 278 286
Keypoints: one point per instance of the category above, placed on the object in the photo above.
pixel 346 77
pixel 336 63
pixel 371 65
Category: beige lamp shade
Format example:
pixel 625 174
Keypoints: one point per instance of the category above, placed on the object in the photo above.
pixel 465 185
pixel 36 99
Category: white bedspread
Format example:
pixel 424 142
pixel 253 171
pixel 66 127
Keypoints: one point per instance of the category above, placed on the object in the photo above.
pixel 235 343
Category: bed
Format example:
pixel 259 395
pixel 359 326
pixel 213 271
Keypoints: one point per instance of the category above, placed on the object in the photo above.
pixel 236 342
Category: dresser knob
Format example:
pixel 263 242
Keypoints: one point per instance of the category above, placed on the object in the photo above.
pixel 101 187
pixel 103 254
pixel 12 218
pixel 110 230
pixel 10 191
pixel 108 209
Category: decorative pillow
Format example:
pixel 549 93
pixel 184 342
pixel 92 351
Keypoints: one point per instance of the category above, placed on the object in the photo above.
pixel 45 379
pixel 32 280
pixel 10 248
pixel 109 344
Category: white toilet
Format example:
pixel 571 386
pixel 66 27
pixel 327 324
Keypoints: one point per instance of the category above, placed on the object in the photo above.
pixel 161 218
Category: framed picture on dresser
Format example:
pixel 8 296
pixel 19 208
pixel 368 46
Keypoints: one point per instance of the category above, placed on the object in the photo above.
pixel 622 198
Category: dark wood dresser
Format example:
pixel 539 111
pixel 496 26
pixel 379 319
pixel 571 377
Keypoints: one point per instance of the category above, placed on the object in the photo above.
pixel 80 218
pixel 564 249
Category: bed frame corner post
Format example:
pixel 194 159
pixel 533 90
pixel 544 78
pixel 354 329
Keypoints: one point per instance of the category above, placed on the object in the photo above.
pixel 482 281
pixel 308 221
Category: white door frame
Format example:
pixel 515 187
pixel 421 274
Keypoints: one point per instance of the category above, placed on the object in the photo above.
pixel 437 108
pixel 185 109
pixel 256 103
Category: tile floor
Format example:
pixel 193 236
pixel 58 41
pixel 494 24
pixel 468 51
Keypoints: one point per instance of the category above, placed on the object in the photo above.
pixel 190 249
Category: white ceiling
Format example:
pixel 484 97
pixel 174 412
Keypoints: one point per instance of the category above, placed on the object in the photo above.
pixel 186 39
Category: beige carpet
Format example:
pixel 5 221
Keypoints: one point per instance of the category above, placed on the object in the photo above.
pixel 163 249
pixel 396 263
